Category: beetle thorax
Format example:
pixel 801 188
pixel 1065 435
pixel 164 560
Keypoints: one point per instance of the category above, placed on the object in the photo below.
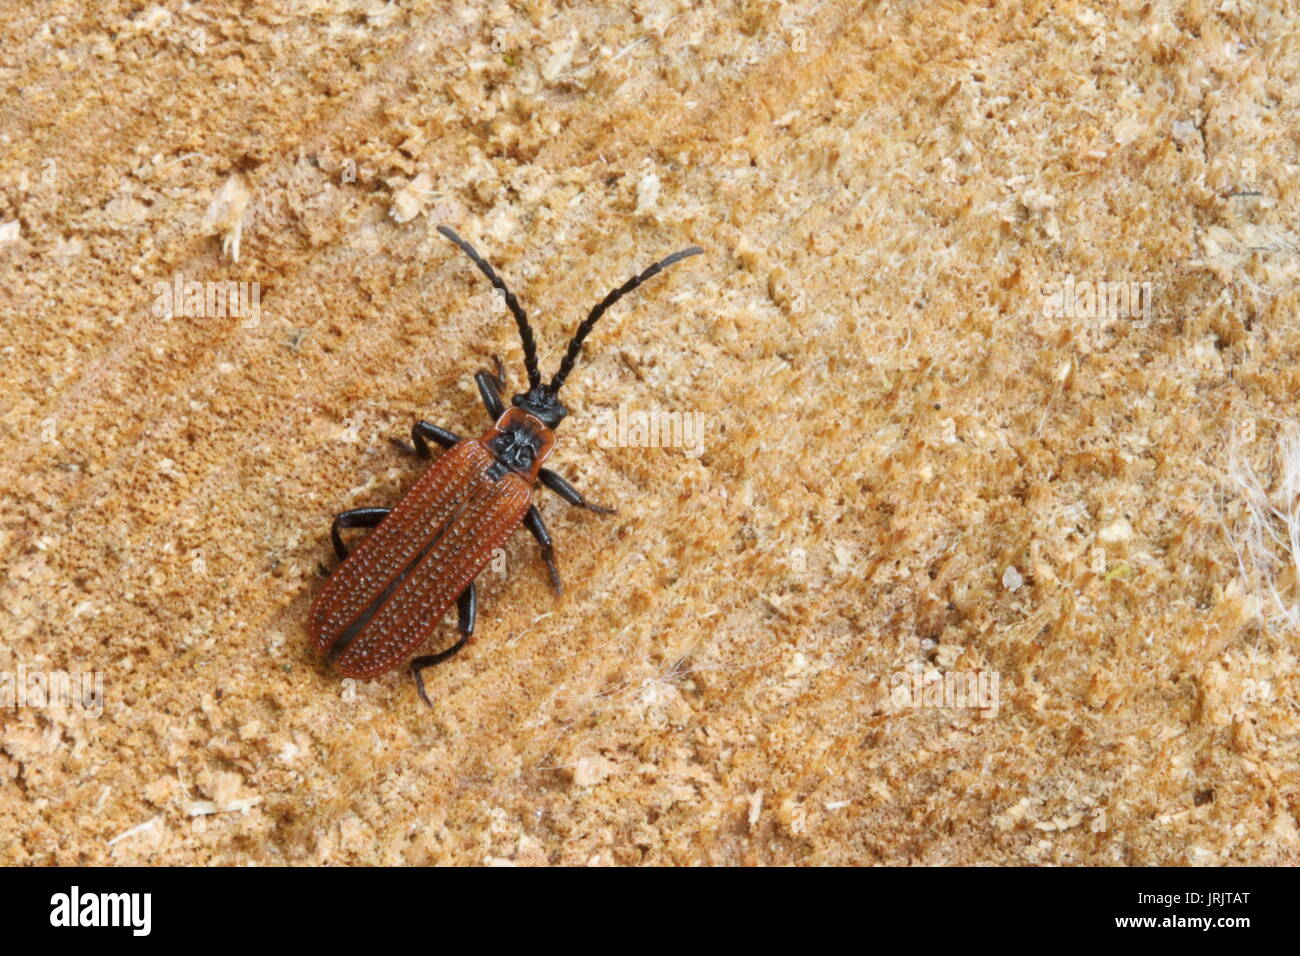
pixel 519 443
pixel 515 449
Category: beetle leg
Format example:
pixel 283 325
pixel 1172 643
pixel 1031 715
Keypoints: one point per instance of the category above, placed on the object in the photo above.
pixel 489 390
pixel 422 433
pixel 467 606
pixel 569 493
pixel 533 521
pixel 356 518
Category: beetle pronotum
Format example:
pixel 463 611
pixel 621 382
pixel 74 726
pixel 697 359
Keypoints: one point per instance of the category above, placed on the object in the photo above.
pixel 390 592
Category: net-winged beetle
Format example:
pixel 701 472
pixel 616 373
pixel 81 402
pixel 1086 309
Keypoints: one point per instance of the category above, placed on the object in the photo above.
pixel 387 596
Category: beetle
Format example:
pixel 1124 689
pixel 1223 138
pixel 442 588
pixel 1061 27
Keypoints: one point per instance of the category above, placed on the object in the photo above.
pixel 388 594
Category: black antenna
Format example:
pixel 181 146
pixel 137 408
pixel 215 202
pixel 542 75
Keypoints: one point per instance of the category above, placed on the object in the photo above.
pixel 575 344
pixel 521 320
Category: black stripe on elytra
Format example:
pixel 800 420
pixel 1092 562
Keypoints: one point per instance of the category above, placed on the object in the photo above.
pixel 355 628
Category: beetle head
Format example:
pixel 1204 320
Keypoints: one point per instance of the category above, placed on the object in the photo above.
pixel 542 403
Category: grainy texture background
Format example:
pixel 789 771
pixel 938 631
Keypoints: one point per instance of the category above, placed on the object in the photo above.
pixel 887 193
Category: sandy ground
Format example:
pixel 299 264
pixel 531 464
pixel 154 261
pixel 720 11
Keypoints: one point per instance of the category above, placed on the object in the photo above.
pixel 925 465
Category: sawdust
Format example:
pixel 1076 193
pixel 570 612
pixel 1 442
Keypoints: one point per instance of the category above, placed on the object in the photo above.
pixel 954 577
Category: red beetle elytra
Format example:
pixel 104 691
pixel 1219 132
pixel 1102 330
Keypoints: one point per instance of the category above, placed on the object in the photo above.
pixel 389 594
